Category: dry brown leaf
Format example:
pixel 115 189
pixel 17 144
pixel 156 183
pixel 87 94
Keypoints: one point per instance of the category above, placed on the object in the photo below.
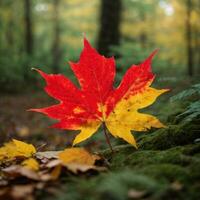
pixel 22 192
pixel 136 194
pixel 176 186
pixel 17 192
pixel 47 155
pixel 54 163
pixel 17 171
pixel 3 182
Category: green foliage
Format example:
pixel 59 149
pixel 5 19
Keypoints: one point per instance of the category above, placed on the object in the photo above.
pixel 192 111
pixel 194 90
pixel 190 97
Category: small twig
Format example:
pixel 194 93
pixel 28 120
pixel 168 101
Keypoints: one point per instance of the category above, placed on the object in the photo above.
pixel 39 148
pixel 107 137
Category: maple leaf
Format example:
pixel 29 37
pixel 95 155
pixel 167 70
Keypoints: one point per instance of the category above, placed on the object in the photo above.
pixel 97 101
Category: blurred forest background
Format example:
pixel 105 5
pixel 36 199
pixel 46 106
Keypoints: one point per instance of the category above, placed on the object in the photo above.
pixel 48 33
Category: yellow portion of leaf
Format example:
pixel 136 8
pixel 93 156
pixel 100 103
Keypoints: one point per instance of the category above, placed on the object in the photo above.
pixel 77 156
pixel 87 131
pixel 31 163
pixel 78 110
pixel 122 131
pixel 16 148
pixel 125 116
pixel 102 108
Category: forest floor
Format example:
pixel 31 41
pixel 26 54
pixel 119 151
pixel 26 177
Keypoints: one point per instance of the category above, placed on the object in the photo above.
pixel 166 165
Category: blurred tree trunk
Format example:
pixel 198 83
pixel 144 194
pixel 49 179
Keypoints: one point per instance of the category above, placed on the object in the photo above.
pixel 109 33
pixel 143 35
pixel 28 27
pixel 56 38
pixel 9 32
pixel 197 34
pixel 197 48
pixel 189 38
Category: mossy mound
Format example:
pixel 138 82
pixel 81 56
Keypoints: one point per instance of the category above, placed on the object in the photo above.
pixel 150 174
pixel 166 166
pixel 173 135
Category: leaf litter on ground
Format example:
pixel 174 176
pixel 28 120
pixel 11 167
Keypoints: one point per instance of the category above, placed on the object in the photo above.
pixel 22 168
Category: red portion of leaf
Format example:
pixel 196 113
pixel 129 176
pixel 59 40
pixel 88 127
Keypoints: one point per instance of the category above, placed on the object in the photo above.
pixel 61 88
pixel 96 76
pixel 68 119
pixel 95 73
pixel 147 63
pixel 133 82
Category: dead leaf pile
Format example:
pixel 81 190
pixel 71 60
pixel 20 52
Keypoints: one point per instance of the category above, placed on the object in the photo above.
pixel 22 169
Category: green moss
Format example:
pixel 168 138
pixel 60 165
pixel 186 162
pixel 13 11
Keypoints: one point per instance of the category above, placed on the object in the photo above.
pixel 151 171
pixel 117 184
pixel 174 135
pixel 112 185
pixel 126 155
pixel 166 172
pixel 164 156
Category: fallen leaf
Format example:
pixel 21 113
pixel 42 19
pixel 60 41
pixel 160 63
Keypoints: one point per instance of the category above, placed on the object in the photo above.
pixel 56 172
pixel 176 185
pixel 79 160
pixel 15 171
pixel 97 101
pixel 3 182
pixel 47 155
pixel 71 167
pixel 15 149
pixel 74 160
pixel 54 163
pixel 31 163
pixel 22 192
pixel 136 194
pixel 77 156
pixel 17 192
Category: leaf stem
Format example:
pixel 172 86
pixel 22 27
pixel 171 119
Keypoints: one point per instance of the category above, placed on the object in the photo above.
pixel 107 137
